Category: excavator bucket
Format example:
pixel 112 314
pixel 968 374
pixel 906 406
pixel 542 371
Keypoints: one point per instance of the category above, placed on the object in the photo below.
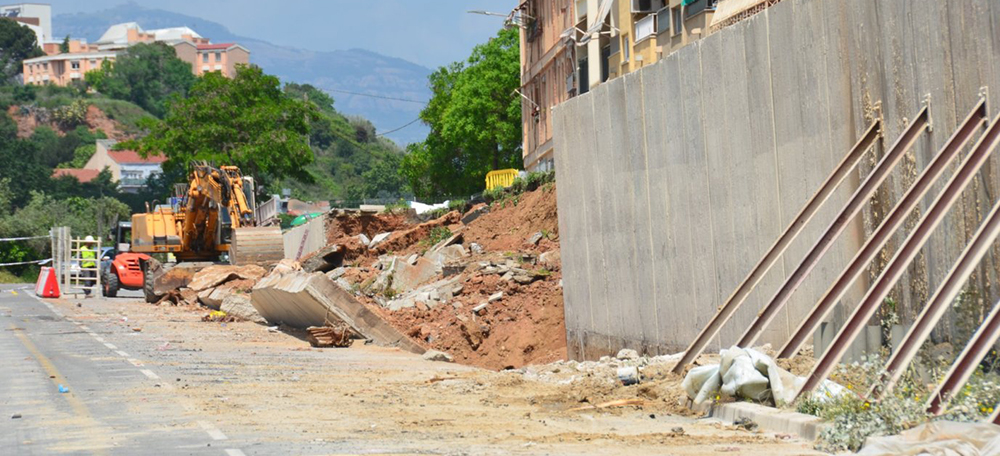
pixel 257 246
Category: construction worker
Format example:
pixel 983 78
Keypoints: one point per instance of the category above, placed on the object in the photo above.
pixel 88 264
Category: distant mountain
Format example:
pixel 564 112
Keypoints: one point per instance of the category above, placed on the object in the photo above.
pixel 352 70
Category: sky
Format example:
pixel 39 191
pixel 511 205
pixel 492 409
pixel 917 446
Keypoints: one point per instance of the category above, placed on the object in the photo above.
pixel 431 33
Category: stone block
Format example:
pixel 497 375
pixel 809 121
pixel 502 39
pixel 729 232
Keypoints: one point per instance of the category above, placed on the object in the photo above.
pixel 302 300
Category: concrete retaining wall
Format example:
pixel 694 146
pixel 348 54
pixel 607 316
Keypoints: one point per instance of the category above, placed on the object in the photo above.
pixel 674 180
pixel 305 239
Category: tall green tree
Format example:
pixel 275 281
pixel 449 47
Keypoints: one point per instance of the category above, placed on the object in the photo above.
pixel 475 120
pixel 145 74
pixel 246 121
pixel 17 43
pixel 64 46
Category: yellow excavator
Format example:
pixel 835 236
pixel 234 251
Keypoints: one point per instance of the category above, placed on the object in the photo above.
pixel 210 217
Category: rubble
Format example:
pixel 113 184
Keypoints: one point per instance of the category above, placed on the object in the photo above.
pixel 305 299
pixel 434 355
pixel 329 336
pixel 216 275
pixel 238 305
pixel 173 279
pixel 325 259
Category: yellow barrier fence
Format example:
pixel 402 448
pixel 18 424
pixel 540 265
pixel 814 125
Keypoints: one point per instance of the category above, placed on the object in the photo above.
pixel 500 178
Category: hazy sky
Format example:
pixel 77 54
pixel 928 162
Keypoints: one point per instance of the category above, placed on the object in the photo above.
pixel 429 32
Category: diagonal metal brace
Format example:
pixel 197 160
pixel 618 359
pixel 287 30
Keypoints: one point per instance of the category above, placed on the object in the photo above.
pixel 739 296
pixel 899 263
pixel 897 216
pixel 850 210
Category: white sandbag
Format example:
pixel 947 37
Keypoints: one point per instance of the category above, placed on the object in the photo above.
pixel 702 383
pixel 749 374
pixel 940 438
pixel 744 380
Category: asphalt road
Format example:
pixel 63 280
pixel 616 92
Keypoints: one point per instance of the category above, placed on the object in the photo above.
pixel 66 389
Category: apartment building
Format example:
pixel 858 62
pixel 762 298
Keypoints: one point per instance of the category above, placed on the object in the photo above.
pixel 570 46
pixel 548 73
pixel 205 58
pixel 65 68
pixel 36 16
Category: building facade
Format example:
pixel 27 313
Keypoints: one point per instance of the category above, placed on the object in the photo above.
pixel 548 74
pixel 127 167
pixel 205 58
pixel 36 16
pixel 65 68
pixel 569 47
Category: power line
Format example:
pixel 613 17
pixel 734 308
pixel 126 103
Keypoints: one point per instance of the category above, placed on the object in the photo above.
pixel 377 96
pixel 400 128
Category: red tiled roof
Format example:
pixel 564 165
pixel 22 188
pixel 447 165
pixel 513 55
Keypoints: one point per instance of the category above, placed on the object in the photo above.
pixel 131 157
pixel 212 47
pixel 82 175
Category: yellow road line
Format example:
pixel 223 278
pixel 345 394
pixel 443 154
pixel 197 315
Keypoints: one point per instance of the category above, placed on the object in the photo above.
pixel 75 403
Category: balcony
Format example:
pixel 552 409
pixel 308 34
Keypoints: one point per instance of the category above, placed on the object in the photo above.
pixel 645 28
pixel 694 7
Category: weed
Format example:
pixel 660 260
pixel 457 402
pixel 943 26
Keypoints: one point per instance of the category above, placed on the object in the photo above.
pixel 436 235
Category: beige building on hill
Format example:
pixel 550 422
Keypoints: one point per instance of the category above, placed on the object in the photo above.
pixel 65 68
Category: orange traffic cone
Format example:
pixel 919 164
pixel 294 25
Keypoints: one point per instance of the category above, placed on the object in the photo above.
pixel 47 286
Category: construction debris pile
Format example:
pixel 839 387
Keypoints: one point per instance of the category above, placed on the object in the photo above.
pixel 482 288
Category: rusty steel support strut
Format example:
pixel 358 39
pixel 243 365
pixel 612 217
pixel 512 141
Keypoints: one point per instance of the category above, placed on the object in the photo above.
pixel 853 207
pixel 936 307
pixel 974 121
pixel 897 266
pixel 967 363
pixel 736 299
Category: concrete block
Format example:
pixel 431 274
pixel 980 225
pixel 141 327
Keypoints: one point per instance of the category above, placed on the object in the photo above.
pixel 238 305
pixel 214 276
pixel 378 239
pixel 407 277
pixel 771 419
pixel 302 300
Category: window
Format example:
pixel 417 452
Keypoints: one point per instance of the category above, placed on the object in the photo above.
pixel 218 56
pixel 663 21
pixel 675 13
pixel 204 58
pixel 627 50
pixel 75 65
pixel 697 6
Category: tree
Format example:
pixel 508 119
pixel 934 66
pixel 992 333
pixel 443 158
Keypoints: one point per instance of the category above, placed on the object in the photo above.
pixel 17 43
pixel 64 46
pixel 475 120
pixel 145 74
pixel 246 121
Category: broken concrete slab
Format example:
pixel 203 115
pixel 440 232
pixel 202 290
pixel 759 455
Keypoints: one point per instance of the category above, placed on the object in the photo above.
pixel 452 240
pixel 238 305
pixel 406 277
pixel 286 266
pixel 216 275
pixel 431 294
pixel 326 259
pixel 304 299
pixel 378 239
pixel 364 240
pixel 474 214
pixel 173 279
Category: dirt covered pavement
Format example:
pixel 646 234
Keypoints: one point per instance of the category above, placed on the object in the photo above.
pixel 269 393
